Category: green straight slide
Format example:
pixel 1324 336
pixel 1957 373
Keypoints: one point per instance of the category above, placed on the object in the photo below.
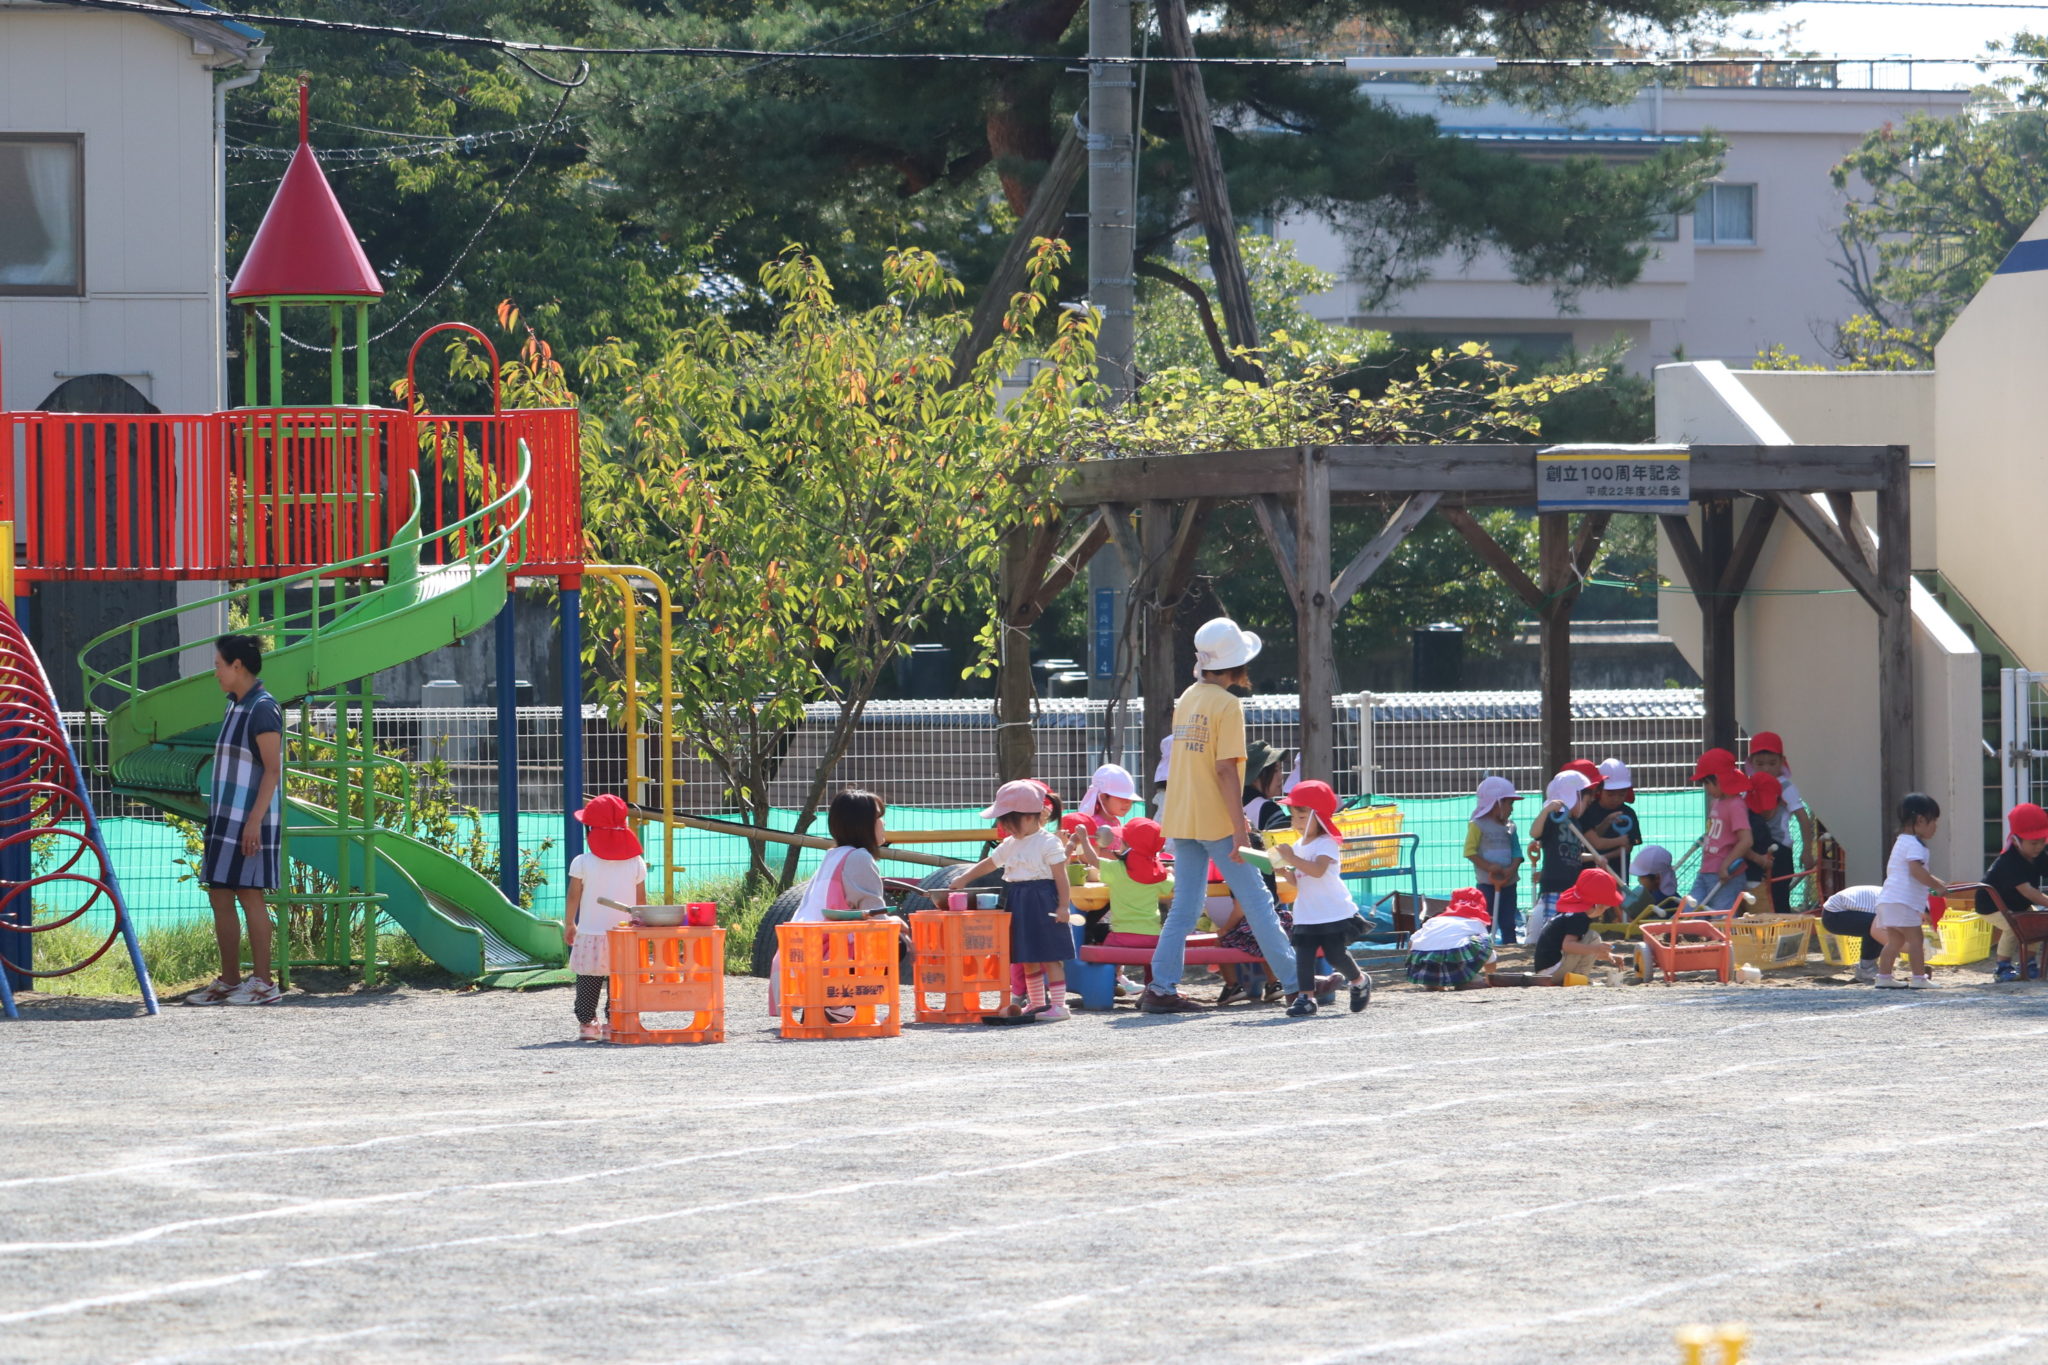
pixel 329 628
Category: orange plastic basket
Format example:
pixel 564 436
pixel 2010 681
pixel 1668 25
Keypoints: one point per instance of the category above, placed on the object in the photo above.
pixel 961 955
pixel 677 970
pixel 840 965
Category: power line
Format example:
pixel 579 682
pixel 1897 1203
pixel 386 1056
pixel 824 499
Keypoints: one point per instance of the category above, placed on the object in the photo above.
pixel 514 47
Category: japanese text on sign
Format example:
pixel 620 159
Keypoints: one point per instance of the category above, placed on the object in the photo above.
pixel 1610 480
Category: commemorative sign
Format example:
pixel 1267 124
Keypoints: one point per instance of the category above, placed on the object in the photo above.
pixel 1613 479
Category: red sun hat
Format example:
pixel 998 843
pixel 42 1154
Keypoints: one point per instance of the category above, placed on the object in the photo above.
pixel 1765 792
pixel 1468 903
pixel 1767 742
pixel 1713 763
pixel 1143 840
pixel 1596 886
pixel 1074 820
pixel 1585 768
pixel 1315 796
pixel 610 837
pixel 2027 821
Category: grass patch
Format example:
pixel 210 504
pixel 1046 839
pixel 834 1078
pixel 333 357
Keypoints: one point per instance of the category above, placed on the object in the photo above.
pixel 178 959
pixel 739 913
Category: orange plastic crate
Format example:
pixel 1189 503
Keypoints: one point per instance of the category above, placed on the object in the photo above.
pixel 836 964
pixel 656 970
pixel 960 956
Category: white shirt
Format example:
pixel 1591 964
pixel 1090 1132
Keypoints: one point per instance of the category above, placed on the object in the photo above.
pixel 1448 931
pixel 1034 858
pixel 1900 885
pixel 859 878
pixel 616 879
pixel 1862 899
pixel 1324 899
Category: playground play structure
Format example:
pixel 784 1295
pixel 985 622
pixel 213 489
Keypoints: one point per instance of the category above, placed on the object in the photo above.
pixel 351 537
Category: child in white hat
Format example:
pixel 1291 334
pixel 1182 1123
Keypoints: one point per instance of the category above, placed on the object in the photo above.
pixel 1111 793
pixel 1495 852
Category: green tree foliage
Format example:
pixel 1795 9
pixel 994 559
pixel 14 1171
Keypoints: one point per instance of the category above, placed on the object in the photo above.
pixel 420 143
pixel 817 494
pixel 1175 324
pixel 1945 200
pixel 857 158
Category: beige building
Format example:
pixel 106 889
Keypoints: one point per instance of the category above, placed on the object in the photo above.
pixel 1803 658
pixel 1749 267
pixel 110 191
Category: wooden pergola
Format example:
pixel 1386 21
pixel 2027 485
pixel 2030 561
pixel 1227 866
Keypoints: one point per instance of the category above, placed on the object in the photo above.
pixel 1153 510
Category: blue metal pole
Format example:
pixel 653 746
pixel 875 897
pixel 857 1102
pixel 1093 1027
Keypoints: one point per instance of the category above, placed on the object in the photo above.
pixel 508 753
pixel 16 867
pixel 572 718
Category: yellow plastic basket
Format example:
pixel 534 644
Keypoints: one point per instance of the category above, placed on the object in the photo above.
pixel 1775 942
pixel 1842 950
pixel 1965 938
pixel 1368 834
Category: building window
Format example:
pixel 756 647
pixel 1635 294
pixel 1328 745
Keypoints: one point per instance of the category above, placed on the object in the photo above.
pixel 1725 216
pixel 42 214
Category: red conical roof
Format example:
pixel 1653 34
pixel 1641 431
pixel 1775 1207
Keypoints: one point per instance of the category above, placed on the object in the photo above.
pixel 305 245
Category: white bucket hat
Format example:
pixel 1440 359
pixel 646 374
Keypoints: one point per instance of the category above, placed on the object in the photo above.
pixel 1566 787
pixel 1221 645
pixel 1109 780
pixel 1615 776
pixel 1165 758
pixel 1492 791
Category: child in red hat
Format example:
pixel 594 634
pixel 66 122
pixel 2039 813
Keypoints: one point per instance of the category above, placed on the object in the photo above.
pixel 1451 951
pixel 1568 942
pixel 610 868
pixel 2014 881
pixel 1325 919
pixel 1767 759
pixel 1724 851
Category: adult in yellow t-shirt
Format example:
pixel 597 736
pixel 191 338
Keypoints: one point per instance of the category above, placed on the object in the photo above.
pixel 1204 816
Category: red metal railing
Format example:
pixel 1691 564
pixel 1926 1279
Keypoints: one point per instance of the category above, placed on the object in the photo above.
pixel 260 493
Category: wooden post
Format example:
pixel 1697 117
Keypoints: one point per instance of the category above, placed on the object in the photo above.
pixel 1016 749
pixel 1315 614
pixel 1159 677
pixel 1895 707
pixel 1717 623
pixel 1554 624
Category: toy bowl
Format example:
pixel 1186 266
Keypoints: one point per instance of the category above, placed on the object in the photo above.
pixel 660 916
pixel 1091 896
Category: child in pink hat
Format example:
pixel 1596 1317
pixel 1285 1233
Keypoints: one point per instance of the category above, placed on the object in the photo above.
pixel 1033 861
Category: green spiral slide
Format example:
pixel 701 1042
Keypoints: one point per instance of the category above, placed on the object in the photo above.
pixel 327 629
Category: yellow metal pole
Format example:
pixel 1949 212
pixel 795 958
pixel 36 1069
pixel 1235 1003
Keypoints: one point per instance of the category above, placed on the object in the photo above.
pixel 7 565
pixel 629 578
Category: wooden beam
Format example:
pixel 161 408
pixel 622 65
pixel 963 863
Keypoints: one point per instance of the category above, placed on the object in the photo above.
pixel 1717 623
pixel 1212 189
pixel 1848 561
pixel 1367 561
pixel 1183 550
pixel 1315 617
pixel 1850 523
pixel 1756 529
pixel 1278 523
pixel 1685 548
pixel 1044 541
pixel 1159 677
pixel 1585 549
pixel 1496 558
pixel 1896 706
pixel 1064 570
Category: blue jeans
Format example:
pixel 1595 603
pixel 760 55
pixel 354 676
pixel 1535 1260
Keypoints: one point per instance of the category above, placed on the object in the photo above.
pixel 1191 859
pixel 1706 898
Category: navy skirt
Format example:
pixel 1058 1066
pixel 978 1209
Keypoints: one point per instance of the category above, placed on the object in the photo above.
pixel 1038 931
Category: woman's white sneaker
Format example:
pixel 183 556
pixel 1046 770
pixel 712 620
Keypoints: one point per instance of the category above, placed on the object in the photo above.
pixel 215 994
pixel 254 990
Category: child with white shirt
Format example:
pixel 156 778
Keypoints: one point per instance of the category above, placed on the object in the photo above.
pixel 1325 920
pixel 611 869
pixel 1902 904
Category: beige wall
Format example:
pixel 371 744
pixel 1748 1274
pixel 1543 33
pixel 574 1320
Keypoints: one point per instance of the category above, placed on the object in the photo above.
pixel 1992 381
pixel 1805 663
pixel 144 101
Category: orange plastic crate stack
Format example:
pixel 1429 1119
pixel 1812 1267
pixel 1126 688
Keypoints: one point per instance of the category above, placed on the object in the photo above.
pixel 836 964
pixel 677 970
pixel 961 954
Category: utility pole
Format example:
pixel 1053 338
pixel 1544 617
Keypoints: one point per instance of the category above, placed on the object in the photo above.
pixel 1112 290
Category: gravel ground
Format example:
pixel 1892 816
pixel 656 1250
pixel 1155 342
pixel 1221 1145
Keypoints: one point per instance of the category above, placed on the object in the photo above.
pixel 1505 1176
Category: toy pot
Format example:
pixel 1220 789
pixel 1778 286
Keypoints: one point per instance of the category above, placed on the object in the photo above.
pixel 703 914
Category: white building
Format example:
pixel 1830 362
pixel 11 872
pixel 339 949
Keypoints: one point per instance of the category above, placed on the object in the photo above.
pixel 1750 267
pixel 110 185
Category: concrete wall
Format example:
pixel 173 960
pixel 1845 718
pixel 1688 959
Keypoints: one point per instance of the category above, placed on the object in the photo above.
pixel 1991 413
pixel 143 99
pixel 1805 663
pixel 1701 300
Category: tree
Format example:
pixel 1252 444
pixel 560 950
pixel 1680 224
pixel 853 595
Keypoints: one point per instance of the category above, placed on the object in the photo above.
pixel 1945 200
pixel 422 143
pixel 817 493
pixel 856 158
pixel 1176 322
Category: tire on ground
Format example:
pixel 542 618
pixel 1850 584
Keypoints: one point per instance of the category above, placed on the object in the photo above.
pixel 941 879
pixel 764 934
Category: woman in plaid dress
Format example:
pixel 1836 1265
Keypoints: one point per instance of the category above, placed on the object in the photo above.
pixel 244 824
